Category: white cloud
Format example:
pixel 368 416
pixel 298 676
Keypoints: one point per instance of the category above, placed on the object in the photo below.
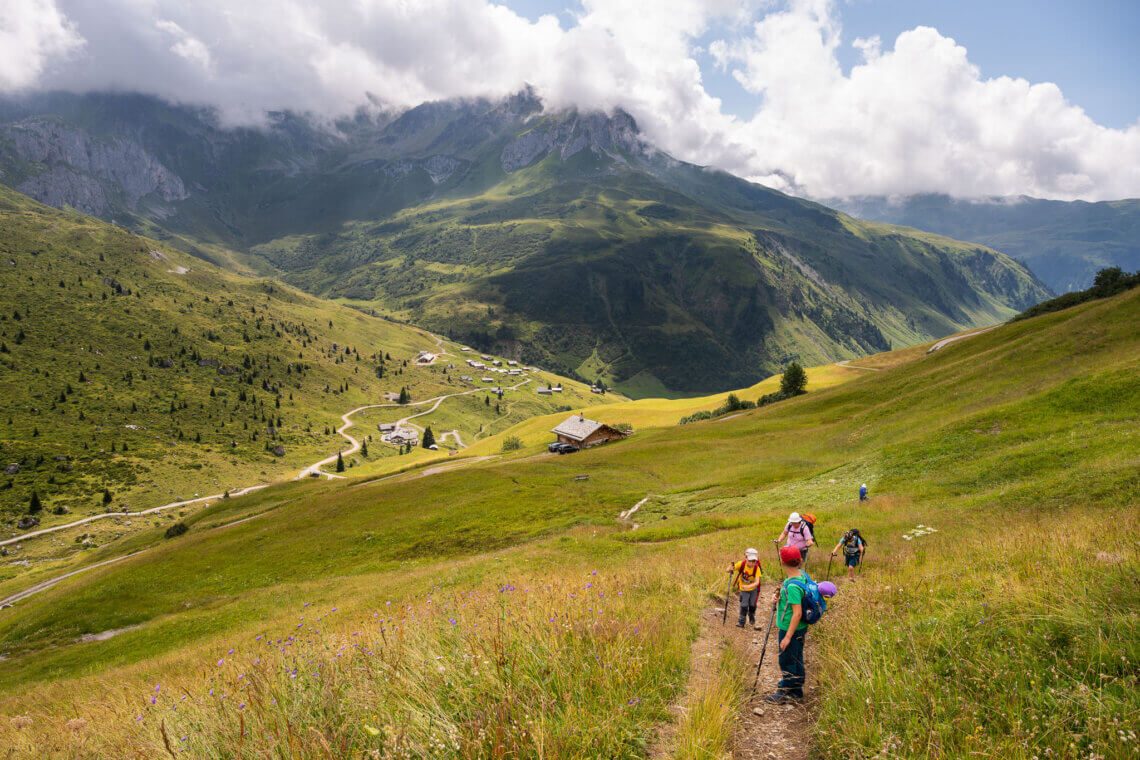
pixel 914 116
pixel 32 34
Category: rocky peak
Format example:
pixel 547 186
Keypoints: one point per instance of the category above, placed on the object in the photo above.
pixel 570 132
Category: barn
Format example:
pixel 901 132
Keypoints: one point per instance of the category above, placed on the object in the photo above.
pixel 583 432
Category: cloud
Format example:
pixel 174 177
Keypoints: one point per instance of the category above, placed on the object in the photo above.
pixel 913 116
pixel 33 33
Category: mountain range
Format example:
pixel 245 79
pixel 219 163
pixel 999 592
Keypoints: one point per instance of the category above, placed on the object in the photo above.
pixel 1065 243
pixel 558 237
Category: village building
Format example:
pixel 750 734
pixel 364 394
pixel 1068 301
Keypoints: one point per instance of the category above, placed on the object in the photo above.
pixel 425 357
pixel 387 427
pixel 402 436
pixel 488 379
pixel 515 372
pixel 512 362
pixel 497 363
pixel 581 432
pixel 544 391
pixel 390 396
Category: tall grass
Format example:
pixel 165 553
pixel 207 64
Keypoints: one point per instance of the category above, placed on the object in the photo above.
pixel 1020 643
pixel 567 667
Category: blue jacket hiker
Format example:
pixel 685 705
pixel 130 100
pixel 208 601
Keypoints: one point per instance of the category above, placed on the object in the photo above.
pixel 789 603
pixel 863 492
pixel 746 580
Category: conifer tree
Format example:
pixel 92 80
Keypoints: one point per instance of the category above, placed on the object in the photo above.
pixel 339 462
pixel 35 505
pixel 429 438
pixel 106 496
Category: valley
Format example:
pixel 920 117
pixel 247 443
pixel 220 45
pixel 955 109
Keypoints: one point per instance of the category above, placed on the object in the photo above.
pixel 136 376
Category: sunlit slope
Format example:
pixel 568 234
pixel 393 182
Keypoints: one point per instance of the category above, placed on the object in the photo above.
pixel 130 366
pixel 377 527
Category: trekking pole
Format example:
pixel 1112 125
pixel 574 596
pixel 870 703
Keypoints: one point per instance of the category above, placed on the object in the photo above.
pixel 829 567
pixel 727 594
pixel 763 651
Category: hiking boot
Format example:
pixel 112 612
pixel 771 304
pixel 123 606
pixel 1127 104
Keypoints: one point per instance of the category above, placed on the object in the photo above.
pixel 777 698
pixel 740 625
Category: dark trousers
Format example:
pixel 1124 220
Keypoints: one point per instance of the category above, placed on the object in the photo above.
pixel 792 666
pixel 748 606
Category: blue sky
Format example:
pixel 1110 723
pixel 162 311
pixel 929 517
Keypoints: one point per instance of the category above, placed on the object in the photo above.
pixel 1088 48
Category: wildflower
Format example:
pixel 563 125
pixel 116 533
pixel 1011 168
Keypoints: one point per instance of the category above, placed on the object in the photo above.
pixel 633 701
pixel 230 652
pixel 221 663
pixel 76 724
pixel 157 688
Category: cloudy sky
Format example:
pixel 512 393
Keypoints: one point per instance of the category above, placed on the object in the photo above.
pixel 821 97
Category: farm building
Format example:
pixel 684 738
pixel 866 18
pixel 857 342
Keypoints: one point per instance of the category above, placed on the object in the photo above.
pixel 425 357
pixel 544 391
pixel 582 432
pixel 386 427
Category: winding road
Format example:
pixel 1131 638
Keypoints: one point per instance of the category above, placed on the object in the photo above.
pixel 354 445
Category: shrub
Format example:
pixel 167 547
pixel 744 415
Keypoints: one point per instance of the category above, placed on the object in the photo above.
pixel 177 529
pixel 512 443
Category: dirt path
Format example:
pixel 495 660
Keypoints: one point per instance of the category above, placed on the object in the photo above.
pixel 354 445
pixel 152 510
pixel 765 731
pixel 847 363
pixel 45 585
pixel 954 338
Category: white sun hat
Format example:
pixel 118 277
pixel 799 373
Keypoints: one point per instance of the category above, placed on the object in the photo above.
pixel 794 517
pixel 751 553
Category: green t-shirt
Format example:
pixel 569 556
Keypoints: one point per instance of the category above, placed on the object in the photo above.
pixel 790 594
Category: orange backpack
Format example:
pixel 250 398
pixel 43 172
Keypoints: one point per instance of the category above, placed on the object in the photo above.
pixel 809 519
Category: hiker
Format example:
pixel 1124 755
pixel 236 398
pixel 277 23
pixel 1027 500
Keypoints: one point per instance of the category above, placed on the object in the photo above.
pixel 798 533
pixel 853 547
pixel 747 582
pixel 792 628
pixel 863 492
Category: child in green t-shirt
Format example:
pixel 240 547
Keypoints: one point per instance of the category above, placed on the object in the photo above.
pixel 789 622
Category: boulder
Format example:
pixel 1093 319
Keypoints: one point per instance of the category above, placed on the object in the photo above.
pixel 278 450
pixel 27 521
pixel 12 469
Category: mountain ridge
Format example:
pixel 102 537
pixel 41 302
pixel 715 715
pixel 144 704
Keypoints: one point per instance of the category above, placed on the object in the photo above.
pixel 562 234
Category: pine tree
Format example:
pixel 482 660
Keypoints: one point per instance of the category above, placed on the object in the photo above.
pixel 106 496
pixel 429 438
pixel 405 397
pixel 794 381
pixel 35 505
pixel 364 448
pixel 339 462
pixel 82 377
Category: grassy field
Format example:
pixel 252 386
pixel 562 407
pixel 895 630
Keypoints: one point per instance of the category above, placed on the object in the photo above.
pixel 1009 630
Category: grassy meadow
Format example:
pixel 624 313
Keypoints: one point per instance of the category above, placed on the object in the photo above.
pixel 996 614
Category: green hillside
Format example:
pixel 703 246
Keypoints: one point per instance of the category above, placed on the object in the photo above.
pixel 131 368
pixel 502 609
pixel 559 236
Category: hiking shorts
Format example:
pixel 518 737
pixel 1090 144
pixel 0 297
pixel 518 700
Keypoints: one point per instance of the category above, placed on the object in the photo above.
pixel 852 560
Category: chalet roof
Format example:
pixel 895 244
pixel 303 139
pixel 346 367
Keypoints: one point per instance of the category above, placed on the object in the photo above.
pixel 577 428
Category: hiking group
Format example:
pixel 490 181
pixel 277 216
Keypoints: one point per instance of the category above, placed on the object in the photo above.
pixel 798 603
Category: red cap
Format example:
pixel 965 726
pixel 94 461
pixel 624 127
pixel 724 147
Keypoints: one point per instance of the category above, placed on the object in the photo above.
pixel 790 556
